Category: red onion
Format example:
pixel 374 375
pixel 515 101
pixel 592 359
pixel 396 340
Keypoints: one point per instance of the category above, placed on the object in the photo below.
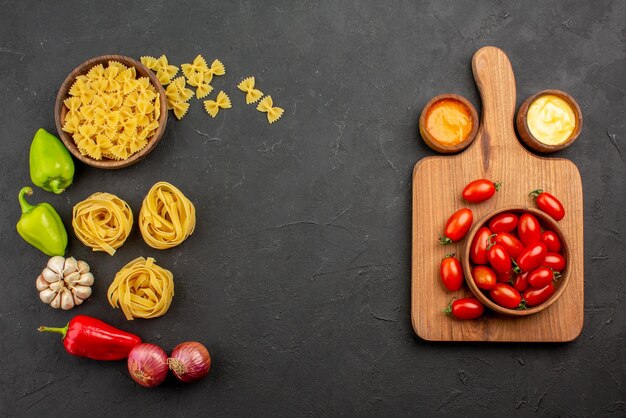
pixel 190 361
pixel 147 365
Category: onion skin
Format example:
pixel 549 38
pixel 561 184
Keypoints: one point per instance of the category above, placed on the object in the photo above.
pixel 190 361
pixel 148 365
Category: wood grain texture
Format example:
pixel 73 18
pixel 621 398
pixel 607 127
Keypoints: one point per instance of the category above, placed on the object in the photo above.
pixel 495 154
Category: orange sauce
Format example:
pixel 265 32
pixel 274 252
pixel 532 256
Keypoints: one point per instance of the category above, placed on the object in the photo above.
pixel 449 122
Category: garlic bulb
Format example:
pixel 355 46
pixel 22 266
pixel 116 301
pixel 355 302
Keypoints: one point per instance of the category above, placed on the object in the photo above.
pixel 64 283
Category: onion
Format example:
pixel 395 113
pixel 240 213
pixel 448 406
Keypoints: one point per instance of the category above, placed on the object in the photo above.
pixel 190 361
pixel 147 365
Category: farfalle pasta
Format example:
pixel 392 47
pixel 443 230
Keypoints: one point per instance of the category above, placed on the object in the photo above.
pixel 110 112
pixel 252 94
pixel 267 105
pixel 142 289
pixel 222 101
pixel 103 221
pixel 164 71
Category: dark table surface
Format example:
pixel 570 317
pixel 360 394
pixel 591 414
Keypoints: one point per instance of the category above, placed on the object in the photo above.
pixel 297 277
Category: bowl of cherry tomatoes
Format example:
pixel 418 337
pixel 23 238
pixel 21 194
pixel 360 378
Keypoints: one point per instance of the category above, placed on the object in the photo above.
pixel 515 261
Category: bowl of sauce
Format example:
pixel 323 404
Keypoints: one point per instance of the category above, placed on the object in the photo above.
pixel 448 123
pixel 549 121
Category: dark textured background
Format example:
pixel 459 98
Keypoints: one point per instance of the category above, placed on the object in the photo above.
pixel 298 275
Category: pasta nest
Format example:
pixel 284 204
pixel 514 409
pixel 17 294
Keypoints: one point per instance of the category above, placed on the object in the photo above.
pixel 142 289
pixel 167 217
pixel 103 221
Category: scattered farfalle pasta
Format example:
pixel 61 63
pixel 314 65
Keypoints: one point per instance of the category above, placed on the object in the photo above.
pixel 142 289
pixel 110 112
pixel 167 217
pixel 199 74
pixel 164 71
pixel 222 101
pixel 103 221
pixel 273 113
pixel 247 86
pixel 177 96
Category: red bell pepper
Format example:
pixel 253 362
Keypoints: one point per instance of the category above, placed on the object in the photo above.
pixel 89 337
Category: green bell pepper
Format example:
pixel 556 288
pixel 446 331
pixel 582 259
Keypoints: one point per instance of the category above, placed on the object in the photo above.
pixel 51 165
pixel 41 226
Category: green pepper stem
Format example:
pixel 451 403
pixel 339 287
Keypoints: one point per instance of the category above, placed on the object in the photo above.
pixel 26 207
pixel 55 185
pixel 61 331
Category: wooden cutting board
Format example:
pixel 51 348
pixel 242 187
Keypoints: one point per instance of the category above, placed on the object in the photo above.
pixel 495 154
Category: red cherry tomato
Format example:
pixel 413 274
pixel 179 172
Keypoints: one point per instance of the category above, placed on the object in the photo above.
pixel 511 244
pixel 532 257
pixel 534 297
pixel 528 229
pixel 480 190
pixel 505 295
pixel 499 259
pixel 540 277
pixel 451 273
pixel 505 277
pixel 484 277
pixel 548 204
pixel 457 226
pixel 521 282
pixel 504 222
pixel 478 249
pixel 554 261
pixel 466 308
pixel 552 241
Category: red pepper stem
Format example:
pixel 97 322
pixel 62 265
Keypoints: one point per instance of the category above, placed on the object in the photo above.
pixel 26 207
pixel 62 331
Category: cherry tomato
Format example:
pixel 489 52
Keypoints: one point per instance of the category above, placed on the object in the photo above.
pixel 521 282
pixel 499 259
pixel 534 297
pixel 484 277
pixel 528 229
pixel 466 308
pixel 554 261
pixel 480 190
pixel 505 277
pixel 552 241
pixel 504 222
pixel 540 277
pixel 451 273
pixel 478 249
pixel 511 244
pixel 505 295
pixel 532 257
pixel 457 226
pixel 548 204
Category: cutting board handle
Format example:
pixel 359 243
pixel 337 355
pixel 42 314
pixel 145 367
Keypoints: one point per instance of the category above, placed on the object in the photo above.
pixel 496 83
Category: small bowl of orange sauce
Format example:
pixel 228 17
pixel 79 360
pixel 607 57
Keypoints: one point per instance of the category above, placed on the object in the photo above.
pixel 448 123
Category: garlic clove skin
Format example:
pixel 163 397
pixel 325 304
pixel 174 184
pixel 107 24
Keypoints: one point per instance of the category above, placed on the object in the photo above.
pixel 67 301
pixel 83 267
pixel 56 301
pixel 82 292
pixel 77 300
pixel 57 264
pixel 57 286
pixel 70 266
pixel 47 295
pixel 41 283
pixel 51 276
pixel 86 279
pixel 72 278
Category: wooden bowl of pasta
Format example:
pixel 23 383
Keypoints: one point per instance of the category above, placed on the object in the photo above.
pixel 111 111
